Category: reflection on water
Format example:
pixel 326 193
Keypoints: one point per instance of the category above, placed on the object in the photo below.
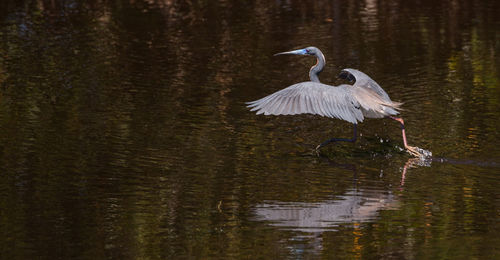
pixel 352 207
pixel 124 134
pixel 312 219
pixel 308 220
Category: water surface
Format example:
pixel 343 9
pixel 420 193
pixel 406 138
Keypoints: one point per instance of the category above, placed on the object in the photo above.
pixel 124 133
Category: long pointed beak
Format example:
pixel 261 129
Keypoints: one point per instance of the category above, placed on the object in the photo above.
pixel 296 52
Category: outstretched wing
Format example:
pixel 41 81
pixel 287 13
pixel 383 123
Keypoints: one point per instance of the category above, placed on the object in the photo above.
pixel 311 98
pixel 372 98
pixel 362 80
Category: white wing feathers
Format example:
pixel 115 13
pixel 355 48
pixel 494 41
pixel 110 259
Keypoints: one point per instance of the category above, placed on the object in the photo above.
pixel 312 98
pixel 374 105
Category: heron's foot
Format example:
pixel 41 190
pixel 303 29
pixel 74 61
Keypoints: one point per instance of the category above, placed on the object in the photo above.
pixel 413 151
pixel 418 152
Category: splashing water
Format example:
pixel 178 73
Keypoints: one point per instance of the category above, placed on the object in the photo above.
pixel 424 154
pixel 418 152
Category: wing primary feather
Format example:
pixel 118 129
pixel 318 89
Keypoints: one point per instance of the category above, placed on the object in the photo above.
pixel 273 104
pixel 319 107
pixel 282 106
pixel 314 106
pixel 322 103
pixel 267 105
pixel 331 105
pixel 307 105
pixel 286 106
pixel 293 105
pixel 326 105
pixel 302 105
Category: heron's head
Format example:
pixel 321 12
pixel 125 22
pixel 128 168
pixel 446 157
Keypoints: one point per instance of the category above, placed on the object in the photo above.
pixel 312 51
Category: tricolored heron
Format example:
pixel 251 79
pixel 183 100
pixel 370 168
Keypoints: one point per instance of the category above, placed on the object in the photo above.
pixel 352 103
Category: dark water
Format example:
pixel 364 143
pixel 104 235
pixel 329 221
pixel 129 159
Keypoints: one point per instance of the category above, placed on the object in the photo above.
pixel 124 134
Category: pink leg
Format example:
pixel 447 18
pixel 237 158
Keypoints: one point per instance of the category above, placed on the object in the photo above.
pixel 408 164
pixel 410 149
pixel 403 176
pixel 402 122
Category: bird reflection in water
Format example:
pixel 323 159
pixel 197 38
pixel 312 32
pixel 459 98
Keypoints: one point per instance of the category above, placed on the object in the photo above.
pixel 309 220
